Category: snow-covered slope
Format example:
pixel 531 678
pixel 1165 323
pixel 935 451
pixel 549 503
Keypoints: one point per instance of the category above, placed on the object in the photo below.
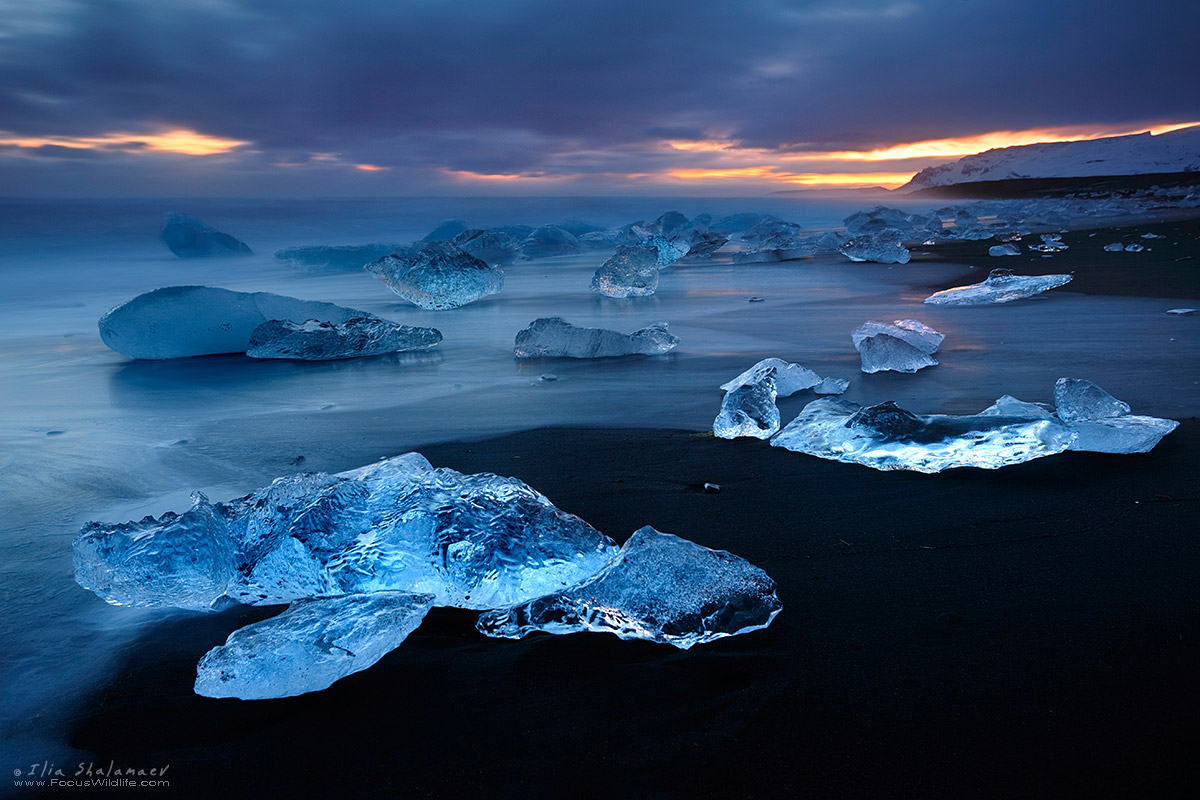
pixel 1138 154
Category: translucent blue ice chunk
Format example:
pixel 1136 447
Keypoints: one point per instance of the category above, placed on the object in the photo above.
pixel 188 237
pixel 312 644
pixel 904 346
pixel 630 272
pixel 322 341
pixel 439 276
pixel 659 587
pixel 554 337
pixel 1001 286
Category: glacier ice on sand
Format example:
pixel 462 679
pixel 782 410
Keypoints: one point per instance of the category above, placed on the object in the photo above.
pixel 1001 286
pixel 312 644
pixel 322 341
pixel 438 276
pixel 554 337
pixel 631 272
pixel 886 437
pixel 182 321
pixel 659 587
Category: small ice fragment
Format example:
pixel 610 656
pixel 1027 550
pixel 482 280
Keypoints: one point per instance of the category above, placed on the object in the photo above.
pixel 1076 399
pixel 711 488
pixel 1181 311
pixel 179 560
pixel 631 272
pixel 905 346
pixel 659 587
pixel 1134 247
pixel 549 376
pixel 311 645
pixel 1001 286
pixel 756 299
pixel 1152 236
pixel 439 276
pixel 831 386
pixel 887 437
pixel 322 341
pixel 1004 250
pixel 1114 247
pixel 554 337
pixel 188 237
pixel 789 378
pixel 1009 406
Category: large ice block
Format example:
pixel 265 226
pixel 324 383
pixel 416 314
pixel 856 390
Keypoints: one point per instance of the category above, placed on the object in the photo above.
pixel 887 437
pixel 1102 423
pixel 884 247
pixel 179 560
pixel 659 587
pixel 311 645
pixel 472 541
pixel 181 321
pixel 1075 398
pixel 554 337
pixel 439 276
pixel 1001 286
pixel 630 272
pixel 904 346
pixel 188 237
pixel 322 341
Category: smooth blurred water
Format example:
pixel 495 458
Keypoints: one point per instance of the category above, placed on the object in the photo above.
pixel 87 433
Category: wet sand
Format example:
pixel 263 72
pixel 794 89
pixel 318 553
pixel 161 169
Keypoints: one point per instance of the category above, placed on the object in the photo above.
pixel 1031 632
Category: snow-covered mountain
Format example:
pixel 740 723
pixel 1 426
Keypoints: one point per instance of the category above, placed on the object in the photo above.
pixel 1138 154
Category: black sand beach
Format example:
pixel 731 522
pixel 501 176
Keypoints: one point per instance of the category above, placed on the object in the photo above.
pixel 1027 632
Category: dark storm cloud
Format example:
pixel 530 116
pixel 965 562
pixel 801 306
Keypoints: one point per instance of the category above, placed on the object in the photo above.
pixel 509 87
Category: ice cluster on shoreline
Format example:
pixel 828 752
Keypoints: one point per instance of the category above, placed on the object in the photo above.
pixel 362 555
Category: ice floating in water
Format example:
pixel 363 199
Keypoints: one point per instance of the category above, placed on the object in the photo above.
pixel 439 276
pixel 445 232
pixel 472 541
pixel 887 437
pixel 905 346
pixel 1115 247
pixel 321 341
pixel 748 409
pixel 180 560
pixel 310 646
pixel 188 237
pixel 659 587
pixel 789 378
pixel 631 272
pixel 831 386
pixel 496 247
pixel 1134 248
pixel 1181 311
pixel 884 247
pixel 335 256
pixel 1001 286
pixel 554 337
pixel 181 321
pixel 1004 250
pixel 550 240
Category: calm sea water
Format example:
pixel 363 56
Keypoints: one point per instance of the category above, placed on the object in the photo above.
pixel 89 434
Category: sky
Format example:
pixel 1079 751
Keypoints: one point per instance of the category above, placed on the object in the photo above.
pixel 563 97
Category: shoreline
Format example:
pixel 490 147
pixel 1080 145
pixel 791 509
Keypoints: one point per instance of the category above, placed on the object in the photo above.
pixel 1030 630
